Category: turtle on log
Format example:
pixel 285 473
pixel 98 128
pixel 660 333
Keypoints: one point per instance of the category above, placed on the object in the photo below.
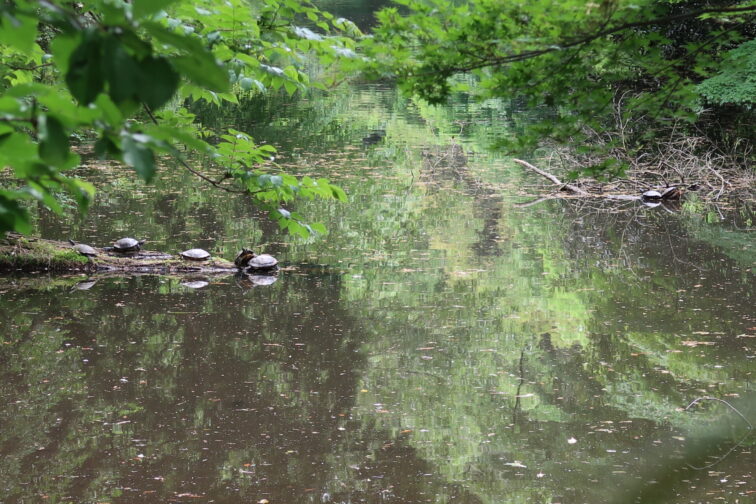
pixel 82 249
pixel 249 260
pixel 195 254
pixel 125 245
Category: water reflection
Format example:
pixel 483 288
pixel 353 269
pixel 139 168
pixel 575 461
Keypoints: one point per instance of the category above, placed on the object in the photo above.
pixel 441 344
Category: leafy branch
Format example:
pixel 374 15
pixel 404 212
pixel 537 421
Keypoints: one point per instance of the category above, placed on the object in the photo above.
pixel 600 34
pixel 108 65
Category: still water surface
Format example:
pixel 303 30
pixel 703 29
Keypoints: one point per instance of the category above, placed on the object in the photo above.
pixel 441 344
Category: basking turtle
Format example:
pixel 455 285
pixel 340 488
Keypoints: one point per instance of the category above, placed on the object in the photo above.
pixel 82 249
pixel 128 245
pixel 243 258
pixel 671 193
pixel 651 195
pixel 195 254
pixel 262 262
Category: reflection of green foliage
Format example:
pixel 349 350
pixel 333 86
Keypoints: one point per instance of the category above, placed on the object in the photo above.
pixel 733 243
pixel 395 347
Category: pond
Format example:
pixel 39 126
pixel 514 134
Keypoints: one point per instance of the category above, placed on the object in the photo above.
pixel 443 343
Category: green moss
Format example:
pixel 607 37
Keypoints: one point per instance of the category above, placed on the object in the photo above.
pixel 29 254
pixel 69 255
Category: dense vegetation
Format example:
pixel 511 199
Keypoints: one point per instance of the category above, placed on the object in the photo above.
pixel 122 75
pixel 617 75
pixel 615 79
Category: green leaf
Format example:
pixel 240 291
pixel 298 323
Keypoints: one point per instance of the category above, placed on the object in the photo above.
pixel 202 69
pixel 62 48
pixel 106 148
pixel 318 227
pixel 290 87
pixel 146 8
pixel 81 190
pixel 54 147
pixel 197 63
pixel 139 156
pixel 157 80
pixel 42 193
pixel 85 76
pixel 13 216
pixel 18 31
pixel 338 193
pixel 109 112
pixel 174 135
pixel 18 151
pixel 121 71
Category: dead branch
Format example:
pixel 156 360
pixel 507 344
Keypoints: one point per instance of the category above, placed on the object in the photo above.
pixel 551 177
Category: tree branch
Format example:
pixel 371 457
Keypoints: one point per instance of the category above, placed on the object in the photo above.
pixel 186 166
pixel 513 58
pixel 556 181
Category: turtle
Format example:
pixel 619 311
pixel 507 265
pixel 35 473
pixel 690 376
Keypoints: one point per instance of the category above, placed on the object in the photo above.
pixel 651 195
pixel 243 258
pixel 82 249
pixel 195 254
pixel 671 193
pixel 262 262
pixel 128 245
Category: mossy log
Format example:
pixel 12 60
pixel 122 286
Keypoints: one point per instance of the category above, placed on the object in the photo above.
pixel 20 253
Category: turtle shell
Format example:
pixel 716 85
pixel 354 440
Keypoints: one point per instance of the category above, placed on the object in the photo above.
pixel 652 195
pixel 83 249
pixel 195 254
pixel 127 245
pixel 262 261
pixel 243 258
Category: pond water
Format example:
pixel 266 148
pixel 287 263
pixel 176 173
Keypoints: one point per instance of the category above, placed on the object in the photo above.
pixel 444 343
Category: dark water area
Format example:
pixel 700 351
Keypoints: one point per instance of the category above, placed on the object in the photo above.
pixel 443 343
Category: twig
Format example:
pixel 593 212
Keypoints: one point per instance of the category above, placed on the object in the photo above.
pixel 214 183
pixel 551 177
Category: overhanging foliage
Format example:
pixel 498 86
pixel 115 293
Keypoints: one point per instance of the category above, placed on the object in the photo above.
pixel 120 74
pixel 573 57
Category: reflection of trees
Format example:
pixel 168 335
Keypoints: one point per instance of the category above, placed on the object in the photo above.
pixel 617 385
pixel 450 163
pixel 224 396
pixel 663 281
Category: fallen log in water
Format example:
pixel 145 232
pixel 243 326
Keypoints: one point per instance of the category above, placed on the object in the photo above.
pixel 668 194
pixel 20 253
pixel 569 187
